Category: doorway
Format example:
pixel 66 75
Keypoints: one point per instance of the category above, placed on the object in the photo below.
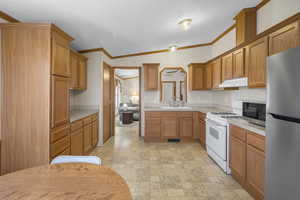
pixel 127 99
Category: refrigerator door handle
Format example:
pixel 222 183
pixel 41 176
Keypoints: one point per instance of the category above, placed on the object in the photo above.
pixel 285 118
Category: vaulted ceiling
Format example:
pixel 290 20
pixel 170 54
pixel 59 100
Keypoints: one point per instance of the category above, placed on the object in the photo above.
pixel 131 26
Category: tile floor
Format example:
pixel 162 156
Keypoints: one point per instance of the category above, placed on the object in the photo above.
pixel 165 171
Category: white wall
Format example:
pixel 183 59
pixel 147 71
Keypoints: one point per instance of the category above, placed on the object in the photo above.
pixel 180 58
pixel 224 44
pixel 276 11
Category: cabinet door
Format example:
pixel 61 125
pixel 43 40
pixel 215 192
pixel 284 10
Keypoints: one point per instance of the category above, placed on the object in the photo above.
pixel 217 73
pixel 151 76
pixel 74 64
pixel 208 76
pixel 237 159
pixel 256 54
pixel 153 127
pixel 227 67
pixel 87 138
pixel 94 133
pixel 196 75
pixel 169 127
pixel 82 74
pixel 186 127
pixel 202 133
pixel 285 38
pixel 77 142
pixel 59 101
pixel 60 57
pixel 255 171
pixel 238 60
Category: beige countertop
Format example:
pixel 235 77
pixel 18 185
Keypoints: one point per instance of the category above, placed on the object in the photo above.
pixel 205 109
pixel 77 114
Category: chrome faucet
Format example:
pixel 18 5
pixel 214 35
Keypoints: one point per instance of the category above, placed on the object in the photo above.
pixel 176 102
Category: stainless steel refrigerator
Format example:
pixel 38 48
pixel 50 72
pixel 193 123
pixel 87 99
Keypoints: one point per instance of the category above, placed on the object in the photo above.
pixel 283 126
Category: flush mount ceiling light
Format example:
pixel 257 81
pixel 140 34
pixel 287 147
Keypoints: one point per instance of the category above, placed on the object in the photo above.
pixel 185 24
pixel 173 48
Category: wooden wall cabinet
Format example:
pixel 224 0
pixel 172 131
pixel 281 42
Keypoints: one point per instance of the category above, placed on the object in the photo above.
pixel 256 58
pixel 238 63
pixel 285 38
pixel 209 76
pixel 227 67
pixel 245 25
pixel 196 73
pixel 151 80
pixel 60 101
pixel 217 73
pixel 78 68
pixel 60 55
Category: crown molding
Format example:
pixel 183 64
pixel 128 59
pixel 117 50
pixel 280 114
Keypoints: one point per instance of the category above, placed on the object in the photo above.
pixel 8 18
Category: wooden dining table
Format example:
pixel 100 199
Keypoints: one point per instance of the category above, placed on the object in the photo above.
pixel 65 181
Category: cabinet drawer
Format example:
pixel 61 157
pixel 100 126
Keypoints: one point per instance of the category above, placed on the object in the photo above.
pixel 76 125
pixel 152 114
pixel 169 114
pixel 185 114
pixel 256 141
pixel 59 133
pixel 238 133
pixel 95 117
pixel 87 120
pixel 60 146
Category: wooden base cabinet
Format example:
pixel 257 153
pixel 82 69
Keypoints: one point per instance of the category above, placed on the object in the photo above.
pixel 247 160
pixel 202 130
pixel 161 126
pixel 76 142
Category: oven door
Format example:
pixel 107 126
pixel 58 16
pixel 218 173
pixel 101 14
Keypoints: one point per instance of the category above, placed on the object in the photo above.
pixel 216 138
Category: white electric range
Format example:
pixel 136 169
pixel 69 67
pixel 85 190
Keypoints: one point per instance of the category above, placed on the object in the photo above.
pixel 217 137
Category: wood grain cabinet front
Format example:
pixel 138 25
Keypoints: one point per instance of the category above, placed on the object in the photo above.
pixel 256 58
pixel 87 138
pixel 284 38
pixel 60 101
pixel 95 133
pixel 60 56
pixel 237 161
pixel 186 127
pixel 74 62
pixel 227 67
pixel 217 73
pixel 77 142
pixel 151 76
pixel 196 75
pixel 238 63
pixel 82 74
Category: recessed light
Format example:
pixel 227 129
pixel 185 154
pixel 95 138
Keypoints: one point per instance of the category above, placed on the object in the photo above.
pixel 185 24
pixel 173 48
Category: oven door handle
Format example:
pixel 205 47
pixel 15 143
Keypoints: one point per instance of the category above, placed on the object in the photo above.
pixel 213 123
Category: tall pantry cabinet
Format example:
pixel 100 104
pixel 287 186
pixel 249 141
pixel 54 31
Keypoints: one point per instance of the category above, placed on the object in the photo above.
pixel 34 94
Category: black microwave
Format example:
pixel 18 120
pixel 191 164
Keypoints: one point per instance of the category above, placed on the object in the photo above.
pixel 254 110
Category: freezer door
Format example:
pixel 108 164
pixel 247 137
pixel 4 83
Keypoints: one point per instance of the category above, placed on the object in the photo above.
pixel 283 81
pixel 282 159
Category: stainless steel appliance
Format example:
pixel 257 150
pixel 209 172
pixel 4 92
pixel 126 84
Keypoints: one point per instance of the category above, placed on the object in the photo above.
pixel 283 126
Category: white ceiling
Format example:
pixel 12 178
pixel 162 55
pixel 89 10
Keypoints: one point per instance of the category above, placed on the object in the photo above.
pixel 130 26
pixel 126 73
